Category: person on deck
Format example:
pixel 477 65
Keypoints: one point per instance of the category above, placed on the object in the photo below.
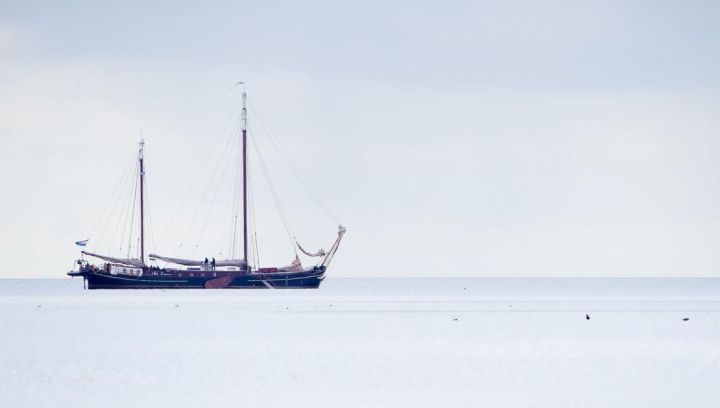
pixel 205 266
pixel 213 263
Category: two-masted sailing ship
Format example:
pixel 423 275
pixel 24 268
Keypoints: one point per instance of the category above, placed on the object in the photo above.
pixel 137 273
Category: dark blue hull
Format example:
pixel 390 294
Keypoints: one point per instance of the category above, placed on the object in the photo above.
pixel 309 279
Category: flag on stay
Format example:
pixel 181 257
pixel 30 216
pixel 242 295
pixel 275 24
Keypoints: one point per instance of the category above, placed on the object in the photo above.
pixel 81 243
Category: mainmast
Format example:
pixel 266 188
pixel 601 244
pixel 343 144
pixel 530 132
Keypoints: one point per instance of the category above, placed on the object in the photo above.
pixel 142 202
pixel 244 163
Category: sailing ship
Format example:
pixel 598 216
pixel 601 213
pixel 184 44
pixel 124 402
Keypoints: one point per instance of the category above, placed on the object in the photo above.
pixel 136 273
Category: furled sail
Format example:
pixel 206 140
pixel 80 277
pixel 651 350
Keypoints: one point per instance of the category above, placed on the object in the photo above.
pixel 295 266
pixel 130 262
pixel 240 263
pixel 320 252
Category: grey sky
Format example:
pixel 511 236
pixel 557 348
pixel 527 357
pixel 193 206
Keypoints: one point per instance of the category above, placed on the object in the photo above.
pixel 453 139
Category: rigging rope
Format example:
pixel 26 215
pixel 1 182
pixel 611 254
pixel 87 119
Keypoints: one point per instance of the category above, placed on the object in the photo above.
pixel 124 215
pixel 292 168
pixel 149 224
pixel 207 188
pixel 198 173
pixel 112 213
pixel 111 200
pixel 194 115
pixel 217 191
pixel 254 245
pixel 223 163
pixel 234 209
pixel 293 202
pixel 132 215
pixel 273 192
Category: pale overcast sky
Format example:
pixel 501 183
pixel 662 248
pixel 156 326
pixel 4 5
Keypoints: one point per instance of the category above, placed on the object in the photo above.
pixel 508 138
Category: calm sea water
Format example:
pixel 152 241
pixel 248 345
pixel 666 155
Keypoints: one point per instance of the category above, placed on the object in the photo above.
pixel 364 343
pixel 551 288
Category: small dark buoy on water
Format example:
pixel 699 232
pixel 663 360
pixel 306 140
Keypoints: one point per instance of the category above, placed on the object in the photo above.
pixel 685 319
pixel 455 319
pixel 587 316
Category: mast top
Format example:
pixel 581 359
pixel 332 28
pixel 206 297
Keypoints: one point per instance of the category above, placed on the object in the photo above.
pixel 244 110
pixel 244 103
pixel 142 148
